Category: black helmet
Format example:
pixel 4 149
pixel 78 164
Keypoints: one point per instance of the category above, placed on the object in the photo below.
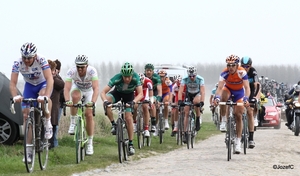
pixel 246 61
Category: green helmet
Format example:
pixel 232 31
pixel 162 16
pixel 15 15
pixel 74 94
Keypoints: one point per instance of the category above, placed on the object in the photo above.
pixel 149 66
pixel 127 69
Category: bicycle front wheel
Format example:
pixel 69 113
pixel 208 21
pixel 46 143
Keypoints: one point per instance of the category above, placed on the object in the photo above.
pixel 297 127
pixel 78 140
pixel 193 132
pixel 228 141
pixel 43 145
pixel 161 128
pixel 245 134
pixel 139 128
pixel 120 139
pixel 29 143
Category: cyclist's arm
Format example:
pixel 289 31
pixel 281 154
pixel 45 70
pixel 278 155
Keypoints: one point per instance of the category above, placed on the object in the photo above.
pixel 220 86
pixel 211 99
pixel 49 79
pixel 104 92
pixel 299 98
pixel 13 83
pixel 159 90
pixel 67 88
pixel 257 90
pixel 180 92
pixel 246 87
pixel 202 93
pixel 95 86
pixel 139 96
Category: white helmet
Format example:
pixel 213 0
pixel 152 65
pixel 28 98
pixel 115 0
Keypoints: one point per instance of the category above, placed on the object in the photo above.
pixel 192 71
pixel 81 60
pixel 28 50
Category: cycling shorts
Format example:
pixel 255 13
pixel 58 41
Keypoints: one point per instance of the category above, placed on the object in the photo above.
pixel 32 91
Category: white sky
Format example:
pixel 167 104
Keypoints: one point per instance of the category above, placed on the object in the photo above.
pixel 158 31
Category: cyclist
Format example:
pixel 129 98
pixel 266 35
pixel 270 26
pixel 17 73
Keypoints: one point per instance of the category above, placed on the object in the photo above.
pixel 82 82
pixel 246 63
pixel 175 89
pixel 124 83
pixel 166 86
pixel 195 92
pixel 233 82
pixel 147 95
pixel 38 84
pixel 211 101
pixel 157 92
pixel 293 93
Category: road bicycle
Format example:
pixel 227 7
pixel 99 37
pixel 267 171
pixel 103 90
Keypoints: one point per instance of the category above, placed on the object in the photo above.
pixel 230 135
pixel 34 133
pixel 141 138
pixel 121 131
pixel 245 132
pixel 80 135
pixel 216 116
pixel 191 128
pixel 180 131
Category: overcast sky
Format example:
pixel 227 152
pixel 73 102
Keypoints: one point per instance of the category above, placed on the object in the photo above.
pixel 162 31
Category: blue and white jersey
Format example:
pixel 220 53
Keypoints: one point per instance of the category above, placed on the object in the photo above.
pixel 33 74
pixel 193 86
pixel 84 83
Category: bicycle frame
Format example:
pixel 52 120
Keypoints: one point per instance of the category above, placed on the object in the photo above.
pixel 161 122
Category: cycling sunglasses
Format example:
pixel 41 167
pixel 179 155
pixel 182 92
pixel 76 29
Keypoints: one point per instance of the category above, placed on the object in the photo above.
pixel 245 66
pixel 231 65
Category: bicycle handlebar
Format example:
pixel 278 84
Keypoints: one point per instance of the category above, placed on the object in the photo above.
pixel 231 103
pixel 79 105
pixel 28 100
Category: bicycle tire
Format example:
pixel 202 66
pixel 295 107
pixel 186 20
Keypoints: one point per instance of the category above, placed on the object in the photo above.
pixel 120 139
pixel 139 129
pixel 193 134
pixel 180 128
pixel 84 140
pixel 43 144
pixel 161 126
pixel 125 142
pixel 29 128
pixel 188 133
pixel 229 129
pixel 78 140
pixel 244 135
pixel 297 127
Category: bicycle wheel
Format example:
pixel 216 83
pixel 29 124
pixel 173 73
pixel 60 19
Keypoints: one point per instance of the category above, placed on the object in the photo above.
pixel 42 144
pixel 217 121
pixel 120 139
pixel 161 128
pixel 78 140
pixel 125 142
pixel 83 140
pixel 180 128
pixel 244 134
pixel 228 137
pixel 139 129
pixel 193 131
pixel 297 123
pixel 29 142
pixel 188 133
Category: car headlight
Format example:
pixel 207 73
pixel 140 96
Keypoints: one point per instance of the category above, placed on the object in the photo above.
pixel 272 113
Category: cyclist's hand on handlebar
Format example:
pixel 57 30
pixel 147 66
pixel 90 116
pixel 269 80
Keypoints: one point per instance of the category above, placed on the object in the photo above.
pixel 217 99
pixel 17 99
pixel 246 101
pixel 181 103
pixel 130 103
pixel 69 103
pixel 42 98
pixel 90 104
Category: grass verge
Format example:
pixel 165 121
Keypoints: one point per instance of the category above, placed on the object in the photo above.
pixel 62 158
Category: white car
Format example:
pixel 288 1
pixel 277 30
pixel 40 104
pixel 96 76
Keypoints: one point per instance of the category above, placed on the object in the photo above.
pixel 172 70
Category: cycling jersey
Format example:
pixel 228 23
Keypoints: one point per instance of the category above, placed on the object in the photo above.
pixel 147 85
pixel 155 81
pixel 121 87
pixel 175 90
pixel 82 83
pixel 34 73
pixel 234 81
pixel 252 77
pixel 166 86
pixel 213 91
pixel 193 87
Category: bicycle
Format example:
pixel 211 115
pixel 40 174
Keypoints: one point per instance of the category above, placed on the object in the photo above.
pixel 121 131
pixel 191 128
pixel 245 132
pixel 80 135
pixel 230 135
pixel 34 135
pixel 215 116
pixel 141 138
pixel 180 131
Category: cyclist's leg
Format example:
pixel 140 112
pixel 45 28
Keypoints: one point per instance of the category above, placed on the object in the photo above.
pixel 223 110
pixel 134 117
pixel 112 97
pixel 146 116
pixel 89 122
pixel 250 112
pixel 129 121
pixel 165 98
pixel 196 101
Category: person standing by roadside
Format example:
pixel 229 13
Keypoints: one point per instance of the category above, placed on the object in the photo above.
pixel 55 97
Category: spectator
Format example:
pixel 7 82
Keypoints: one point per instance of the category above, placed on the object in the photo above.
pixel 57 88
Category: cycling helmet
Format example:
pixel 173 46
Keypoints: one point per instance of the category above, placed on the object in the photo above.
pixel 191 71
pixel 28 50
pixel 232 59
pixel 162 72
pixel 297 88
pixel 127 69
pixel 81 60
pixel 149 66
pixel 179 78
pixel 246 61
pixel 142 77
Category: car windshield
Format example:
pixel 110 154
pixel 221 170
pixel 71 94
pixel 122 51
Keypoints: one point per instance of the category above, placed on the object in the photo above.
pixel 270 102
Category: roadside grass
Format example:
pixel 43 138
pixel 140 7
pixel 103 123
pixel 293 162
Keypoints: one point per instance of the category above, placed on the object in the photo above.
pixel 62 158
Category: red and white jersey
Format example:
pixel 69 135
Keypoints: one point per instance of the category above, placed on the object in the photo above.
pixel 147 85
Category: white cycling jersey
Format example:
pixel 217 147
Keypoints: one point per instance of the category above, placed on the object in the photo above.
pixel 34 73
pixel 82 83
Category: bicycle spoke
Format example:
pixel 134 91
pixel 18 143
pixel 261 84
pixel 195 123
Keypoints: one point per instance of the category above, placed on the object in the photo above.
pixel 29 143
